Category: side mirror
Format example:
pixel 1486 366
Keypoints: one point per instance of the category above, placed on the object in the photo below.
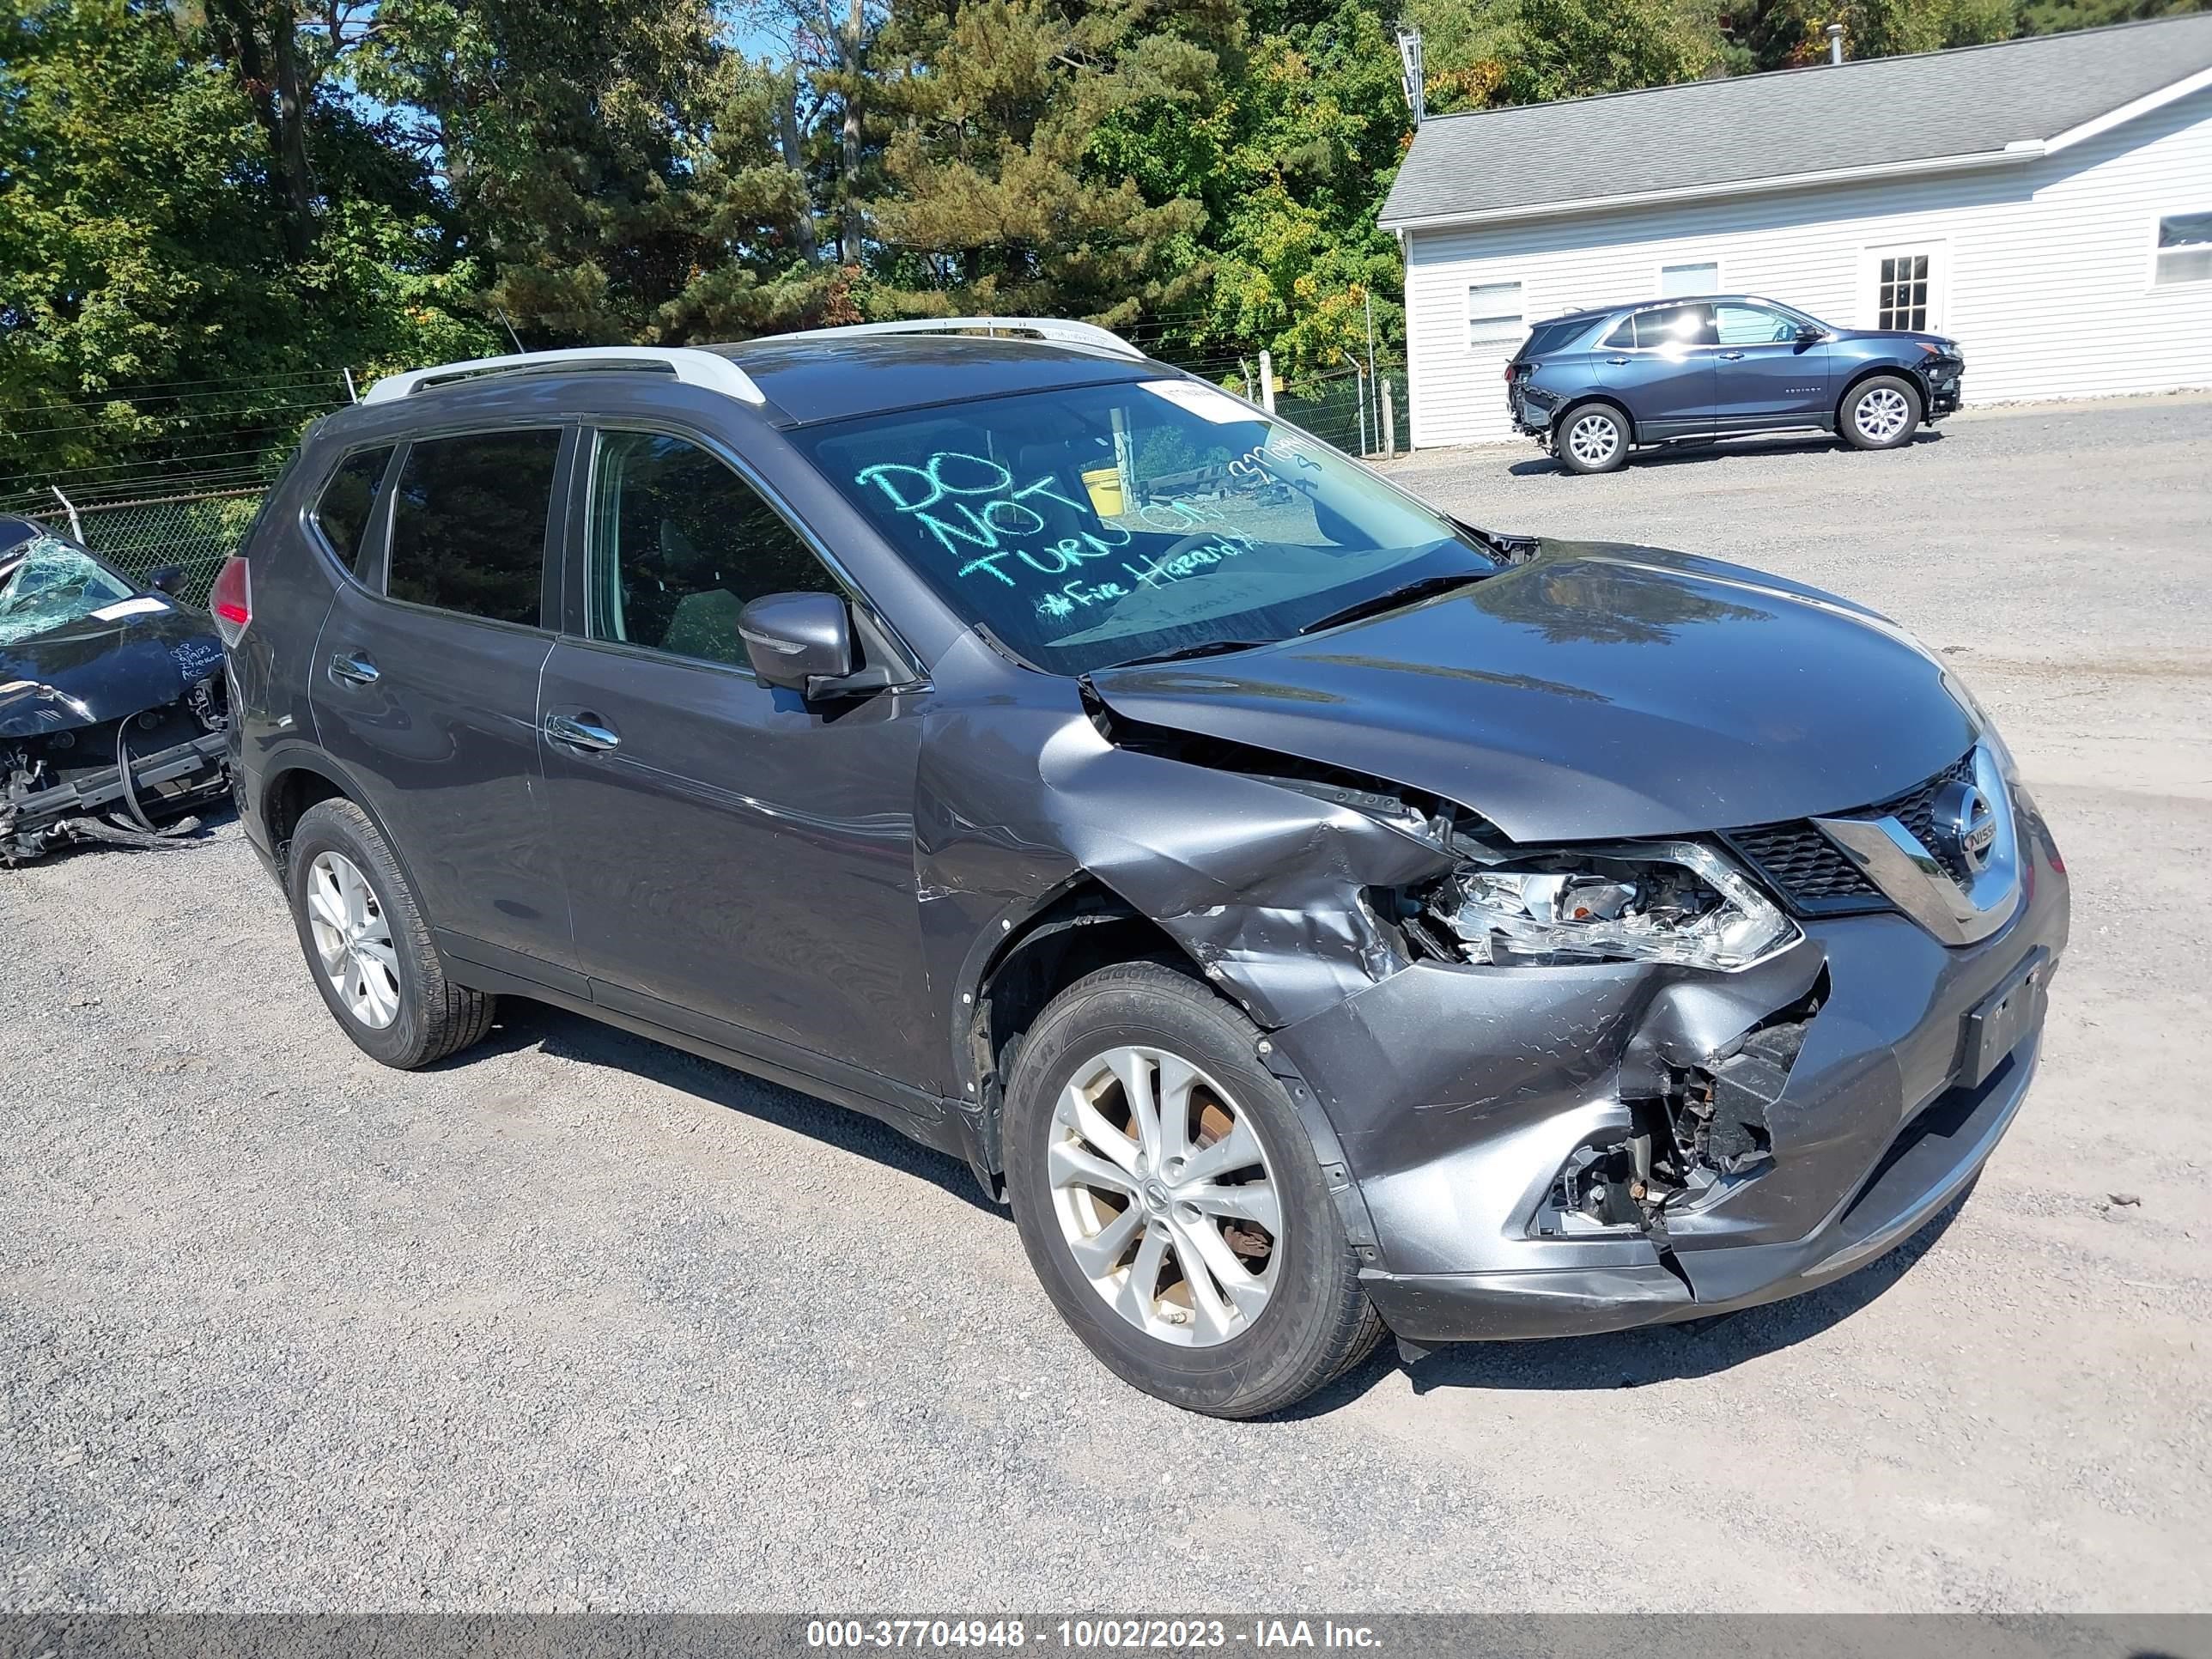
pixel 1808 334
pixel 802 641
pixel 166 579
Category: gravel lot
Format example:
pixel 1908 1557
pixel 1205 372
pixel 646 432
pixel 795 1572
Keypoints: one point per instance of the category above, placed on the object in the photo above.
pixel 581 1321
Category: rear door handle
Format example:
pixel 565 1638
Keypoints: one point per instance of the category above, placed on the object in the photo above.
pixel 585 733
pixel 1731 357
pixel 353 668
pixel 1618 362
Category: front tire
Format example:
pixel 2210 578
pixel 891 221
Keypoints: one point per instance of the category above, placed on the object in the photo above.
pixel 368 947
pixel 1169 1201
pixel 1592 439
pixel 1880 413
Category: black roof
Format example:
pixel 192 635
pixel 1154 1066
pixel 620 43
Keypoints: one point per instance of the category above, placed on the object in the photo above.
pixel 832 377
pixel 1972 102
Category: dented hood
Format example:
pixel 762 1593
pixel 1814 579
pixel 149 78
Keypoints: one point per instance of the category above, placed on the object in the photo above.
pixel 1596 691
pixel 94 669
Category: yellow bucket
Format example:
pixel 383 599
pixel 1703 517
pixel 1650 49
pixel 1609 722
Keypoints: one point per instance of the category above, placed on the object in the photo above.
pixel 1104 484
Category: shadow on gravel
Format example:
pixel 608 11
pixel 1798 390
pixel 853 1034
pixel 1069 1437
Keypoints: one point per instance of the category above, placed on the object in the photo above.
pixel 1656 1353
pixel 525 1024
pixel 1543 466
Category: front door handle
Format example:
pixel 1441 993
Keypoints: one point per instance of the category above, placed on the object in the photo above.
pixel 353 668
pixel 585 734
pixel 1731 357
pixel 1618 362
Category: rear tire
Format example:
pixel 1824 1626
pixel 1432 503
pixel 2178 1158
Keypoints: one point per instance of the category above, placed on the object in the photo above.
pixel 368 948
pixel 1592 439
pixel 1880 412
pixel 1270 1307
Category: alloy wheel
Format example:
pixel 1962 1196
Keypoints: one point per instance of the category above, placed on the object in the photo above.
pixel 353 939
pixel 1164 1197
pixel 1593 438
pixel 1881 415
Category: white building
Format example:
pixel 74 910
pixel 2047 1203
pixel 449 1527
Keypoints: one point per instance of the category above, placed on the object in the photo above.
pixel 2047 202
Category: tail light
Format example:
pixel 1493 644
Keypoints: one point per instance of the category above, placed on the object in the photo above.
pixel 1514 372
pixel 231 599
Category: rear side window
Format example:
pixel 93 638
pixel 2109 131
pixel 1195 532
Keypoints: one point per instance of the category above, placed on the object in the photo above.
pixel 1548 337
pixel 468 524
pixel 343 512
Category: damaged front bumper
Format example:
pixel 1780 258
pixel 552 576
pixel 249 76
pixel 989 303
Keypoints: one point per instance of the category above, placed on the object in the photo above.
pixel 135 806
pixel 1469 1101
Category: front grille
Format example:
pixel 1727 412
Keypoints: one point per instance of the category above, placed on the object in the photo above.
pixel 1916 810
pixel 1811 873
pixel 1803 864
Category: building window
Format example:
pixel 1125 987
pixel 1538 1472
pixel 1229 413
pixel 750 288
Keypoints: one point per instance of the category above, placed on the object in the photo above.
pixel 1701 278
pixel 1900 299
pixel 2185 249
pixel 1495 315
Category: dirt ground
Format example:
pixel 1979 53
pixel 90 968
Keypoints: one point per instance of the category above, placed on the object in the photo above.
pixel 578 1320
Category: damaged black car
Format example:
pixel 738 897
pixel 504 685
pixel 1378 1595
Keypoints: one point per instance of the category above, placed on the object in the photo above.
pixel 113 701
pixel 1315 917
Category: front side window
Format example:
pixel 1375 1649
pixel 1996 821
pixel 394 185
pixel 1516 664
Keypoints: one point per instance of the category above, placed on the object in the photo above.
pixel 1742 325
pixel 343 509
pixel 1901 290
pixel 468 524
pixel 679 544
pixel 1100 524
pixel 1494 313
pixel 1674 328
pixel 2185 249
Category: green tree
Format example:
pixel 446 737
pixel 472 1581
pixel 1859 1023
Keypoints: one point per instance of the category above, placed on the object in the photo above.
pixel 1313 136
pixel 615 168
pixel 997 197
pixel 1771 35
pixel 141 241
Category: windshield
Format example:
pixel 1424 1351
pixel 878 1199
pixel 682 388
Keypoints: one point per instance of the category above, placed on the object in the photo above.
pixel 1098 525
pixel 45 583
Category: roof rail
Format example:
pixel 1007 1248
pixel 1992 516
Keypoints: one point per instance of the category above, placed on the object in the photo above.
pixel 688 365
pixel 1060 329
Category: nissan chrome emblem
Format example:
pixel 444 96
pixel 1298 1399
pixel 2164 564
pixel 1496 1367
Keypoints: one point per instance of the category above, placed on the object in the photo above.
pixel 1964 817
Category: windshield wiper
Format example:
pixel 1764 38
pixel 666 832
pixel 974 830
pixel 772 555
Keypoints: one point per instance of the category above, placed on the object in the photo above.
pixel 1390 599
pixel 1207 649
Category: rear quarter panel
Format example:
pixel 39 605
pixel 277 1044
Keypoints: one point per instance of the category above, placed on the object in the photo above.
pixel 269 666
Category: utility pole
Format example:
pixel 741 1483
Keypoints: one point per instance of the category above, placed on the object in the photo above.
pixel 1410 76
pixel 1368 391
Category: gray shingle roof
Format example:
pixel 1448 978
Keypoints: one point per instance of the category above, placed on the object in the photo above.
pixel 1870 113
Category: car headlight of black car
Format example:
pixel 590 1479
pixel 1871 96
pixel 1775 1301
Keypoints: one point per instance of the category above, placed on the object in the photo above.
pixel 1675 901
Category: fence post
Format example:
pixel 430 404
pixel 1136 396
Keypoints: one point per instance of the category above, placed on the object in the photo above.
pixel 76 529
pixel 352 395
pixel 1359 380
pixel 1389 421
pixel 1266 380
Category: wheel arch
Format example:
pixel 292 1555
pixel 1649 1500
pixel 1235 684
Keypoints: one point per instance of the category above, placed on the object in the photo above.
pixel 300 780
pixel 1859 377
pixel 1583 401
pixel 1083 927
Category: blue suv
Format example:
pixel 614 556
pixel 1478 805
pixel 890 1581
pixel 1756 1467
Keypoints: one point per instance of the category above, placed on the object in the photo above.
pixel 1592 386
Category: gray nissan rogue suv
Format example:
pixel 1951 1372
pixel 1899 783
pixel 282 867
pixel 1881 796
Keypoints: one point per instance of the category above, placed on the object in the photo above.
pixel 1312 915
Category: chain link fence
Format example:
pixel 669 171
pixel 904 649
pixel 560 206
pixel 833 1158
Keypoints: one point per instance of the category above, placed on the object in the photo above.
pixel 194 533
